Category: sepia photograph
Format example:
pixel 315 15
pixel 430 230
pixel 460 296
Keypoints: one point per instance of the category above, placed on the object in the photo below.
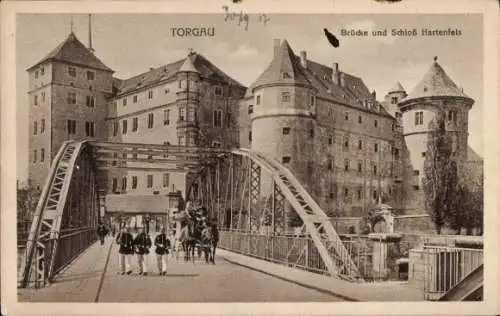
pixel 245 156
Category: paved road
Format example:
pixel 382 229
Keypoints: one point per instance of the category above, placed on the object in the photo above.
pixel 185 282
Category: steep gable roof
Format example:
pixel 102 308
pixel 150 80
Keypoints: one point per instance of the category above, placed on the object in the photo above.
pixel 436 83
pixel 397 88
pixel 73 51
pixel 194 62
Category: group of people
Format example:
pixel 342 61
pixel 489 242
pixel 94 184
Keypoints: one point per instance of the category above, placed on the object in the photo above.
pixel 140 245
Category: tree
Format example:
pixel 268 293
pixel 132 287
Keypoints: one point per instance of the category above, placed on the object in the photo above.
pixel 440 176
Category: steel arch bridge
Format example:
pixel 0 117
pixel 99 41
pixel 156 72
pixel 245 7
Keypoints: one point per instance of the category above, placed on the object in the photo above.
pixel 243 189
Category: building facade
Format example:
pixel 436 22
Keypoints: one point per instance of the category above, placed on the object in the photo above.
pixel 349 150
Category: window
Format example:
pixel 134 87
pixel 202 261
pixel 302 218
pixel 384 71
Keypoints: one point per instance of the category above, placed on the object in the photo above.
pixel 416 172
pixel 250 109
pixel 286 75
pixel 42 126
pixel 375 147
pixel 394 100
pixel 167 90
pixel 135 124
pixel 360 194
pixel 374 167
pixel 89 129
pixel 330 140
pixel 134 182
pixel 71 125
pixel 360 119
pixel 116 125
pixel 166 180
pixel 424 154
pixel 285 159
pixel 35 127
pixel 90 75
pixel 393 127
pixel 346 143
pixel 115 184
pixel 360 167
pixel 149 183
pixel 191 115
pixel 43 97
pixel 218 91
pixel 374 194
pixel 216 144
pixel 330 164
pixel 311 133
pixel 416 187
pixel 286 130
pixel 42 154
pixel 346 165
pixel 257 100
pixel 375 123
pixel 124 183
pixel 180 84
pixel 36 74
pixel 396 153
pixel 346 116
pixel 71 98
pixel 312 100
pixel 398 114
pixel 150 94
pixel 42 71
pixel 134 156
pixel 124 126
pixel 35 100
pixel 217 120
pixel 250 136
pixel 115 155
pixel 452 116
pixel 166 117
pixel 134 99
pixel 360 144
pixel 124 102
pixel 419 118
pixel 285 96
pixel 72 71
pixel 346 192
pixel 151 120
pixel 90 101
pixel 34 155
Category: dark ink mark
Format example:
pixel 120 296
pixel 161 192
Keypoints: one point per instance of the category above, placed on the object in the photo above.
pixel 331 38
pixel 388 1
pixel 243 17
pixel 237 1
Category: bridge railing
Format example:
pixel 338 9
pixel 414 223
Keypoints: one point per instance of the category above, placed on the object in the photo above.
pixel 72 242
pixel 444 267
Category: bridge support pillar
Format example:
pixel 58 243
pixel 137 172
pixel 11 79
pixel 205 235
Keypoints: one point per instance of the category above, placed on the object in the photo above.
pixel 381 253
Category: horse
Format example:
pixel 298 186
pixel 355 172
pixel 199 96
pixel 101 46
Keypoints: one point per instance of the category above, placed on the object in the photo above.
pixel 210 238
pixel 190 235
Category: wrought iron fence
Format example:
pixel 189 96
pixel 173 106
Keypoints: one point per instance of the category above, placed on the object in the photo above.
pixel 72 242
pixel 299 251
pixel 444 267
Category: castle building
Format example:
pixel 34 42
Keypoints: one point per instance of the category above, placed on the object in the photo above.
pixel 349 150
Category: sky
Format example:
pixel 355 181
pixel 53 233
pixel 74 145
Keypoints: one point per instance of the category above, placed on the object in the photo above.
pixel 132 43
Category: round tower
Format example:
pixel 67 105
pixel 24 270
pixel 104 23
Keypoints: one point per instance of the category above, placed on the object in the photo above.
pixel 434 93
pixel 283 113
pixel 187 102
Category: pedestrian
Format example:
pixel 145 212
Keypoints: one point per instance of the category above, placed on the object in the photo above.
pixel 174 244
pixel 142 244
pixel 162 244
pixel 101 232
pixel 126 242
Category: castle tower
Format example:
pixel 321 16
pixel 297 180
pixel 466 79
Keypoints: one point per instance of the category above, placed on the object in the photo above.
pixel 187 103
pixel 283 116
pixel 435 92
pixel 68 91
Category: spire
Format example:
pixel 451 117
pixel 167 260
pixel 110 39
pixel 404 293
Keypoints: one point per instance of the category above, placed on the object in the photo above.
pixel 188 66
pixel 71 25
pixel 90 33
pixel 397 88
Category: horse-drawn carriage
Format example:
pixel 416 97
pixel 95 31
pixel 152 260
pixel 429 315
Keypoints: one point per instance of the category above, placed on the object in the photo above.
pixel 197 231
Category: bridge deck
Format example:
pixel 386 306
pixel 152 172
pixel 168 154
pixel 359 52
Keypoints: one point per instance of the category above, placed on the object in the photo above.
pixel 185 282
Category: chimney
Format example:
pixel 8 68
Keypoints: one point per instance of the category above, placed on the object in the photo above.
pixel 276 47
pixel 335 73
pixel 303 58
pixel 374 94
pixel 90 33
pixel 342 79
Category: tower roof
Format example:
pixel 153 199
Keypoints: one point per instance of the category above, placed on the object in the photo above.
pixel 188 66
pixel 284 68
pixel 397 88
pixel 436 83
pixel 73 51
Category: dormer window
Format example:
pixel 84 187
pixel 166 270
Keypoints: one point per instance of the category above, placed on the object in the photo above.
pixel 394 100
pixel 285 96
pixel 250 109
pixel 286 75
pixel 72 71
pixel 425 89
pixel 42 71
pixel 257 100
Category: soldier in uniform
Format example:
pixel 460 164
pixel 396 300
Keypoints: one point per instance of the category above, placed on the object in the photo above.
pixel 142 244
pixel 126 242
pixel 162 243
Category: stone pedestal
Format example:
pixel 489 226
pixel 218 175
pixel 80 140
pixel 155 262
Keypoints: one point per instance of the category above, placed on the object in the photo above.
pixel 380 255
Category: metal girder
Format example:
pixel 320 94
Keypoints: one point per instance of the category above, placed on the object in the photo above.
pixel 254 194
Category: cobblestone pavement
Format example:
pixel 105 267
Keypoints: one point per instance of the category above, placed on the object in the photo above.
pixel 184 282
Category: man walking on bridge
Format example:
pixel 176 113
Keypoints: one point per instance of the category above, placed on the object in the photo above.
pixel 142 244
pixel 162 244
pixel 126 242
